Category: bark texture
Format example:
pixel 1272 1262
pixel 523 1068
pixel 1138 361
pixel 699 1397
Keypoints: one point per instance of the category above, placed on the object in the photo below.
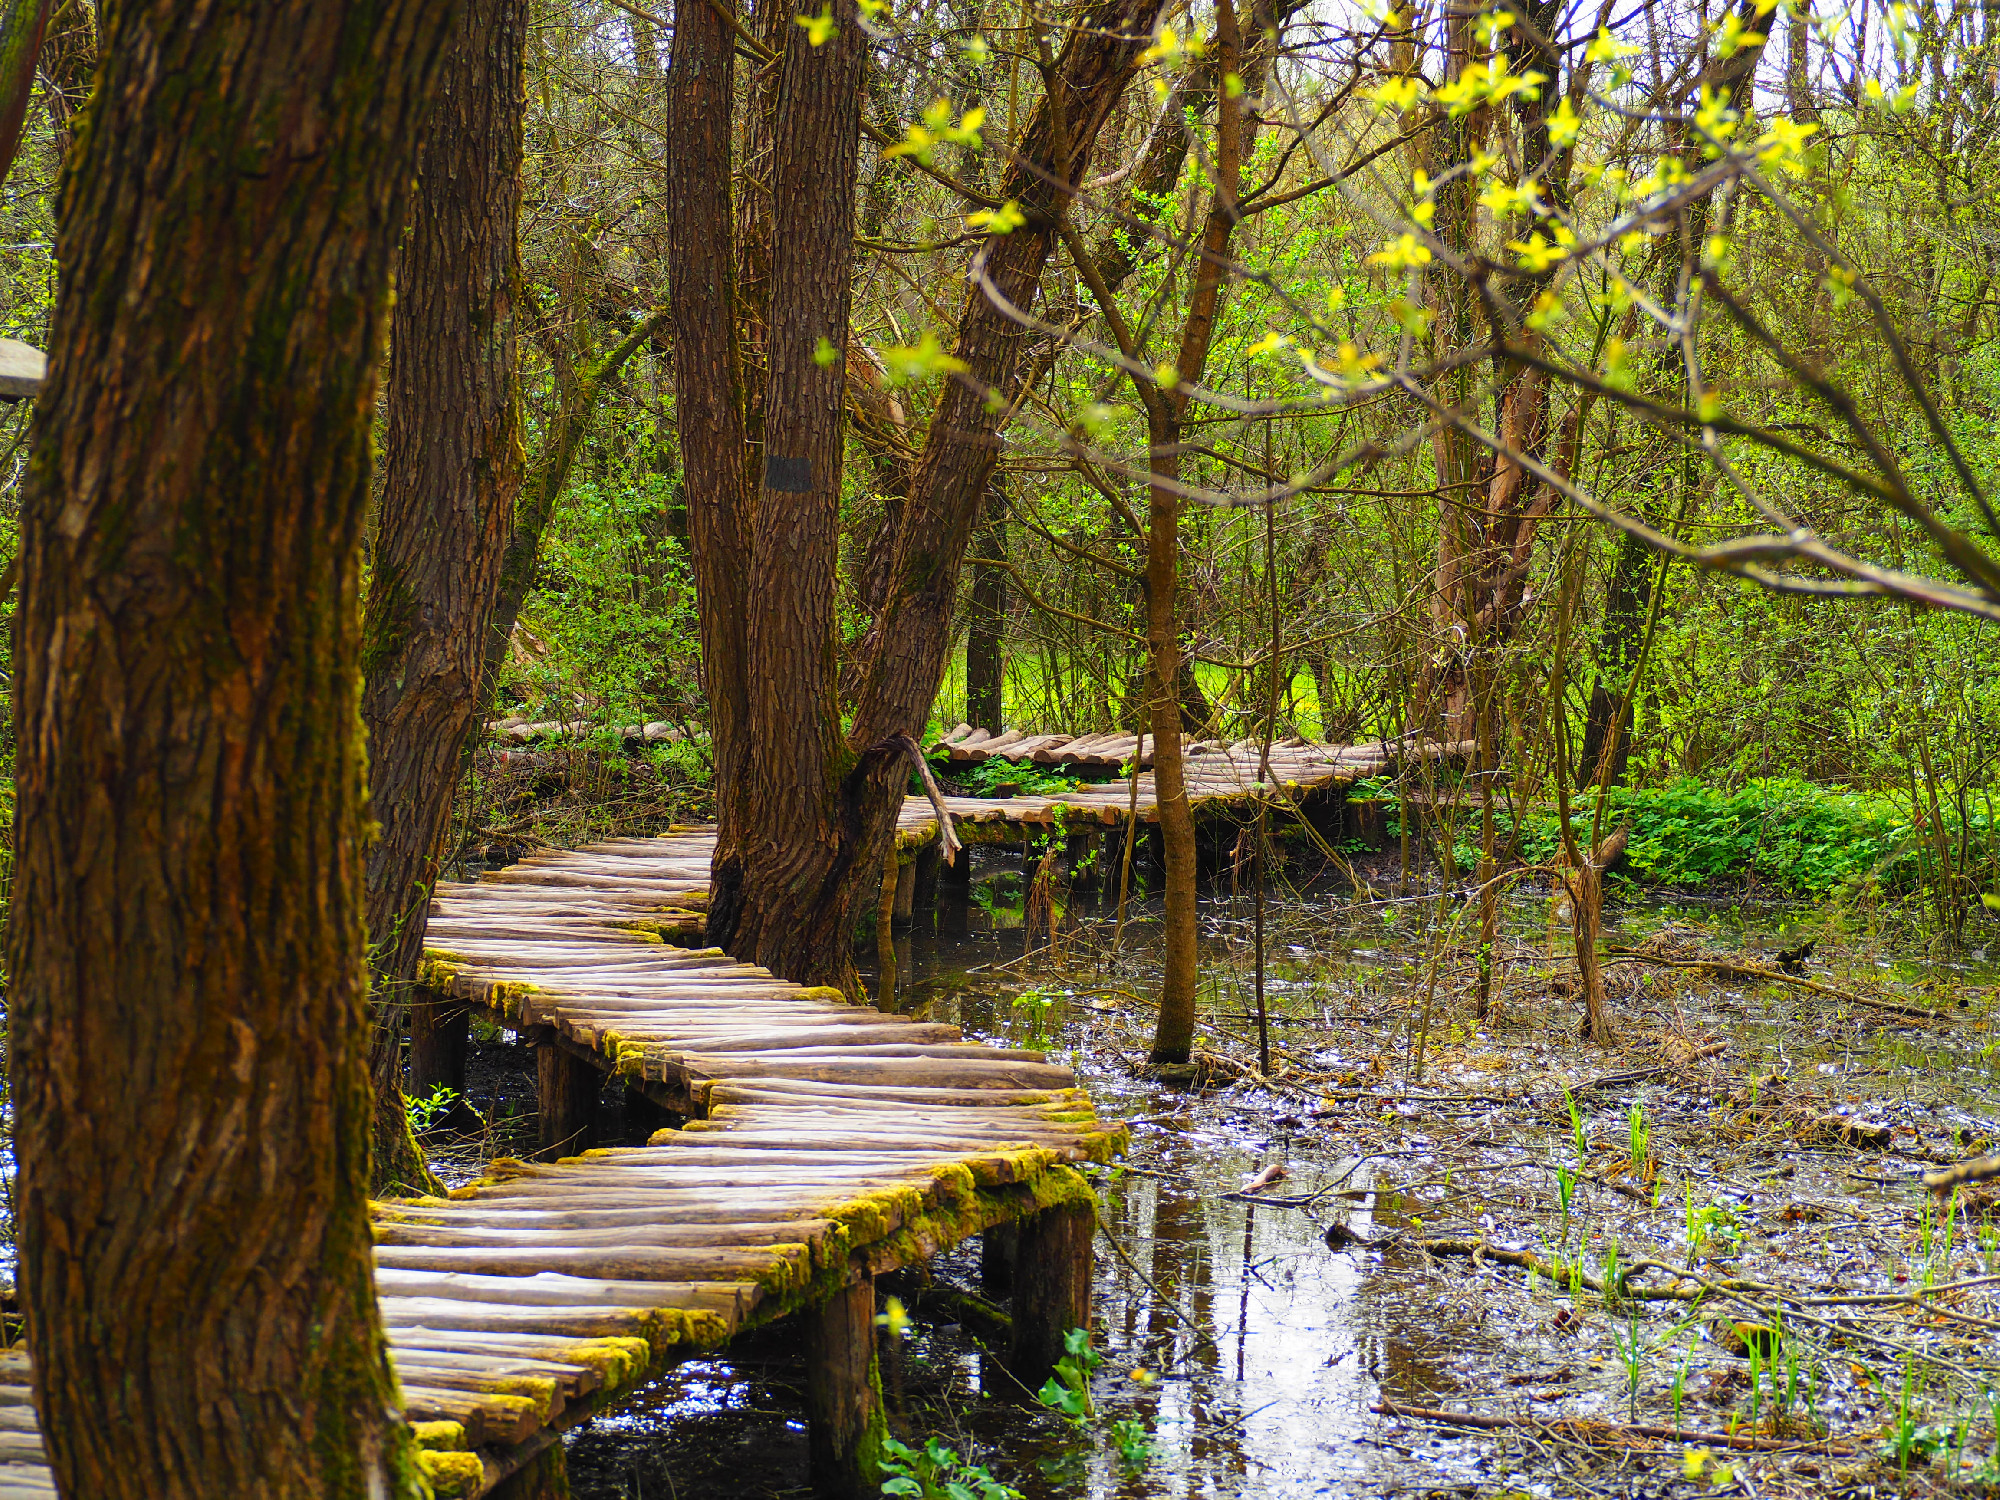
pixel 708 396
pixel 795 858
pixel 188 1016
pixel 902 658
pixel 453 472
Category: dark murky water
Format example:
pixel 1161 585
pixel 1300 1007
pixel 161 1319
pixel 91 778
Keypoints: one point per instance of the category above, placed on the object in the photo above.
pixel 1251 1348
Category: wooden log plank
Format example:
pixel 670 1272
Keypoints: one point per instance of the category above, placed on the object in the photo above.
pixel 735 1235
pixel 626 1263
pixel 550 1289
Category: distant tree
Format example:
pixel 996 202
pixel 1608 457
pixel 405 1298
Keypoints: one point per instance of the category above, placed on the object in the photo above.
pixel 187 978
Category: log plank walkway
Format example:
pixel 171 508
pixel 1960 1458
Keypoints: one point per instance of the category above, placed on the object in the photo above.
pixel 824 1143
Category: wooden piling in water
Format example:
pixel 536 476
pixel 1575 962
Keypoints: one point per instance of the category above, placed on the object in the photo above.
pixel 438 1026
pixel 929 863
pixel 543 1477
pixel 996 1259
pixel 1051 1289
pixel 568 1086
pixel 844 1395
pixel 906 892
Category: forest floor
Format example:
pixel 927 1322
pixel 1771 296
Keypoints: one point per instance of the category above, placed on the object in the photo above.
pixel 1522 1270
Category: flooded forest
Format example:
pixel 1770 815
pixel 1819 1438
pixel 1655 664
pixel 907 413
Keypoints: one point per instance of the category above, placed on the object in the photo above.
pixel 1355 645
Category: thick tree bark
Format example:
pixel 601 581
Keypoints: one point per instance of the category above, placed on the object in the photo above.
pixel 792 864
pixel 446 514
pixel 708 396
pixel 188 1007
pixel 986 621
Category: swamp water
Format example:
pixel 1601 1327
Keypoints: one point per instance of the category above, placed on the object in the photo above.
pixel 1247 1339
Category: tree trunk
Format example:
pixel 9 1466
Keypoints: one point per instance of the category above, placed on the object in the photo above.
pixel 708 395
pixel 189 1020
pixel 985 626
pixel 446 514
pixel 1173 1036
pixel 1633 572
pixel 824 810
pixel 794 921
pixel 22 23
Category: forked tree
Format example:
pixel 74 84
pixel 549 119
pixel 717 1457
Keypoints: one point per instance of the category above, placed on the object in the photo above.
pixel 188 982
pixel 809 785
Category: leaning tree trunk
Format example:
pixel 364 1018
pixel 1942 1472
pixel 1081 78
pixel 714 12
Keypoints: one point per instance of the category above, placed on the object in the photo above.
pixel 445 517
pixel 188 1010
pixel 22 23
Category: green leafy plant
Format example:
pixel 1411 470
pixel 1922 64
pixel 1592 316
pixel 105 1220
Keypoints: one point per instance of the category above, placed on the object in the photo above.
pixel 935 1472
pixel 427 1110
pixel 1067 1392
pixel 1134 1442
pixel 1578 1135
pixel 1027 778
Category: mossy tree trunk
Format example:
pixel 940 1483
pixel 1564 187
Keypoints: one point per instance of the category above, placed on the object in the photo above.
pixel 188 1016
pixel 446 515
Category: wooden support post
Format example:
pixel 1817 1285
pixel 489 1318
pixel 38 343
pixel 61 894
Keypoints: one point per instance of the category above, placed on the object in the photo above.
pixel 644 1114
pixel 957 876
pixel 438 1027
pixel 906 892
pixel 844 1395
pixel 543 1477
pixel 930 860
pixel 1051 1289
pixel 997 1248
pixel 568 1086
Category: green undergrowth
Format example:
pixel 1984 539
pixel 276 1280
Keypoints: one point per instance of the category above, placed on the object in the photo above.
pixel 1027 778
pixel 1788 835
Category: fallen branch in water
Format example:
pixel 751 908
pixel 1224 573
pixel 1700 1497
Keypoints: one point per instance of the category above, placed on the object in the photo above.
pixel 1979 1169
pixel 1735 969
pixel 1592 1430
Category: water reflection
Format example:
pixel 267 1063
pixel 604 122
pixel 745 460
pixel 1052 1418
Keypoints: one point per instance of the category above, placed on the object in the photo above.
pixel 1251 1346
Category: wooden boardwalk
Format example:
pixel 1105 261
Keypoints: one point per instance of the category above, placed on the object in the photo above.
pixel 824 1143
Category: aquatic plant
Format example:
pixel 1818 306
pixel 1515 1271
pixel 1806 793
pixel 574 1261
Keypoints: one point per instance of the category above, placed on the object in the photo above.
pixel 935 1472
